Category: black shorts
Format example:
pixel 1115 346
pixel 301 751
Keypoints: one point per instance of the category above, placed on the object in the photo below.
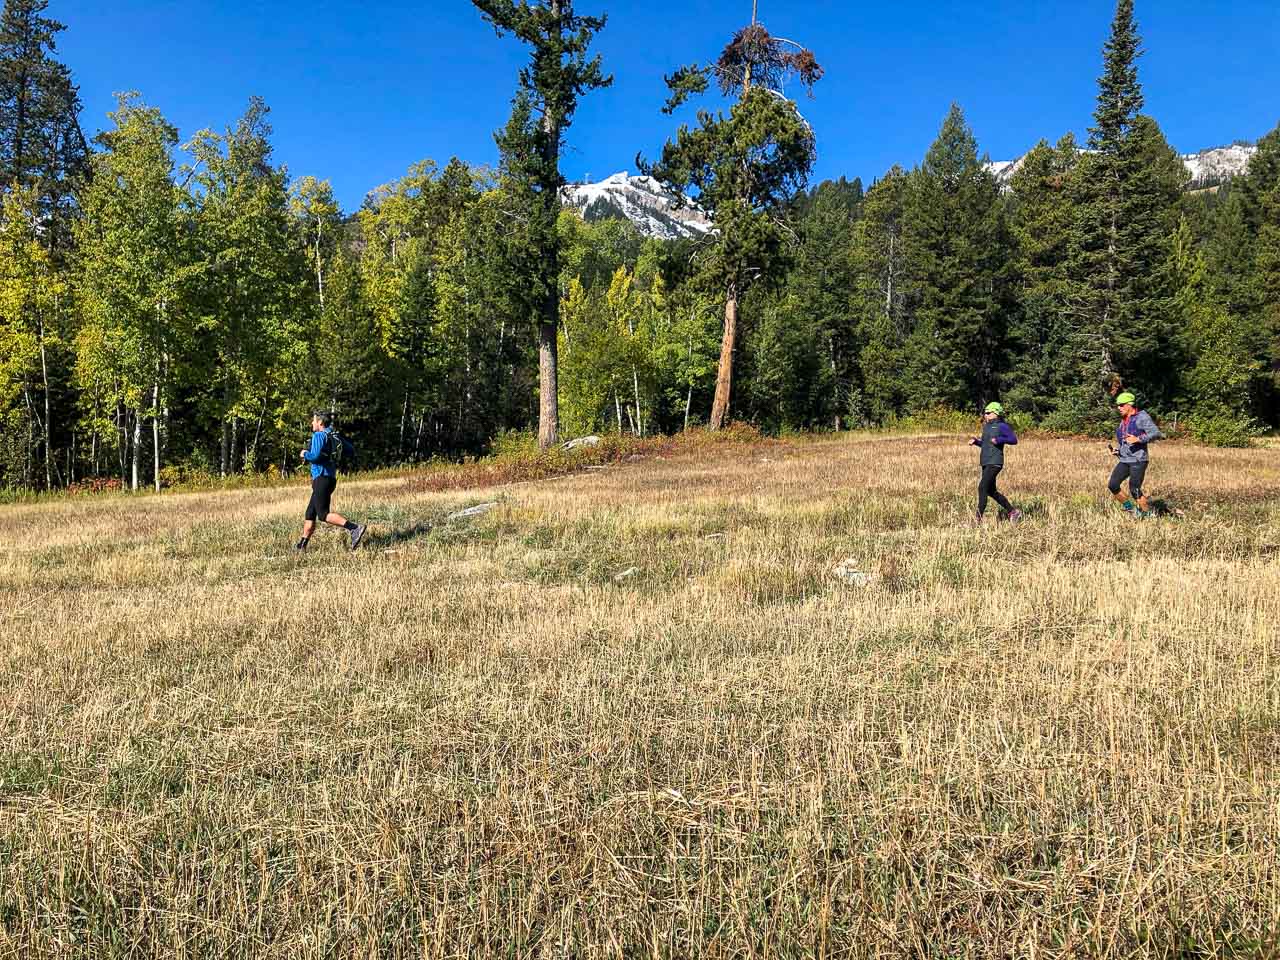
pixel 321 494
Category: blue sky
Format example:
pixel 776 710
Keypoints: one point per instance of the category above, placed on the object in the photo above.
pixel 359 91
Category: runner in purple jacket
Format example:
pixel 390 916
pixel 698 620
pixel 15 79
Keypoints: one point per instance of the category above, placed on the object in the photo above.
pixel 996 435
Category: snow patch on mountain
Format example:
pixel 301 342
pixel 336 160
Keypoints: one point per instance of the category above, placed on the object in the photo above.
pixel 642 200
pixel 1207 168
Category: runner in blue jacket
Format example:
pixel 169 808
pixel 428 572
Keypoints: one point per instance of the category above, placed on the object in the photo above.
pixel 996 435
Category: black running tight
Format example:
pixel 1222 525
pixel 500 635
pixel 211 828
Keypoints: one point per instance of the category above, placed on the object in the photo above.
pixel 987 488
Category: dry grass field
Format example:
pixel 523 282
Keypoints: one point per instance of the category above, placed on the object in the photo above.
pixel 475 738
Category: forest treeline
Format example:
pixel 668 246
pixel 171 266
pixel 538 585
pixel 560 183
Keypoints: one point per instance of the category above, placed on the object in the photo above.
pixel 175 307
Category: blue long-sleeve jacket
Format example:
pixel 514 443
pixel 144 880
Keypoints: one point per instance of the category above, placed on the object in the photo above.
pixel 318 455
pixel 1141 426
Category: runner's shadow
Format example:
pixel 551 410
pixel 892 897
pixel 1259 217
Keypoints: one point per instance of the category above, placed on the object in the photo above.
pixel 397 535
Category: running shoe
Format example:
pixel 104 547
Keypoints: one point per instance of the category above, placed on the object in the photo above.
pixel 357 535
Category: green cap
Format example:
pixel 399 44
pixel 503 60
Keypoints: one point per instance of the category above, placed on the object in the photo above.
pixel 994 407
pixel 1125 397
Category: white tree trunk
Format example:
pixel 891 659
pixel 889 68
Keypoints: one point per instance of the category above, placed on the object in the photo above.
pixel 155 428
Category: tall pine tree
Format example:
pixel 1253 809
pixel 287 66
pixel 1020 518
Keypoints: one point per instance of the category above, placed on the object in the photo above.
pixel 560 70
pixel 1126 194
pixel 957 253
pixel 41 144
pixel 744 169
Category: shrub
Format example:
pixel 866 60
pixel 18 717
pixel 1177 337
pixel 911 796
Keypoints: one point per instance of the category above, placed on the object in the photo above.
pixel 1222 428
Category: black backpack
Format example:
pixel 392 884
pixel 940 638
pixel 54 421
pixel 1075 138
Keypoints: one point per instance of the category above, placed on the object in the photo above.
pixel 339 451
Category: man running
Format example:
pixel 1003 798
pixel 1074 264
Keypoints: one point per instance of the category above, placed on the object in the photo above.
pixel 324 478
pixel 1135 430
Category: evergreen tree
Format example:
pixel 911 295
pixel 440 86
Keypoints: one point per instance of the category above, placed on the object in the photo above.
pixel 745 168
pixel 879 258
pixel 41 143
pixel 1220 380
pixel 1041 223
pixel 559 72
pixel 1251 247
pixel 957 253
pixel 1126 194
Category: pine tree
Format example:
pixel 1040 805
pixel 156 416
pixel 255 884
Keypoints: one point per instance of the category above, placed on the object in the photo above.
pixel 1041 224
pixel 957 253
pixel 1126 194
pixel 880 294
pixel 1257 252
pixel 744 169
pixel 41 144
pixel 1220 379
pixel 559 72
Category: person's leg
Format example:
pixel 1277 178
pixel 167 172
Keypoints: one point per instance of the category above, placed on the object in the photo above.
pixel 356 530
pixel 996 495
pixel 1137 473
pixel 309 524
pixel 1118 476
pixel 985 484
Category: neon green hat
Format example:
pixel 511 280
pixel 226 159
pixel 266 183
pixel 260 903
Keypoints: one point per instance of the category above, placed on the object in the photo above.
pixel 1125 397
pixel 994 407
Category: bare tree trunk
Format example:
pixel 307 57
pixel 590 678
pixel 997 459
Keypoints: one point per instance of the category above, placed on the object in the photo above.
pixel 404 419
pixel 155 427
pixel 635 379
pixel 137 445
pixel 548 383
pixel 724 374
pixel 319 267
pixel 617 406
pixel 688 402
pixel 122 425
pixel 548 374
pixel 224 458
pixel 44 374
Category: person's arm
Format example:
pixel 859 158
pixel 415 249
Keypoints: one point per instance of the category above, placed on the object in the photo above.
pixel 1005 436
pixel 1147 428
pixel 316 453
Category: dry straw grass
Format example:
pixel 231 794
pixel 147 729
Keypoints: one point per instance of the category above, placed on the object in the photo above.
pixel 1055 740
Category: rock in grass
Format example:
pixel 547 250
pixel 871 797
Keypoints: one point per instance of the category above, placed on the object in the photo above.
pixel 477 510
pixel 582 442
pixel 627 574
pixel 847 571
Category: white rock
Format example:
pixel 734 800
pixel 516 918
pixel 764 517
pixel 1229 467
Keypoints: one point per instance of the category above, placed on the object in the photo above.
pixel 477 510
pixel 627 573
pixel 582 442
pixel 848 572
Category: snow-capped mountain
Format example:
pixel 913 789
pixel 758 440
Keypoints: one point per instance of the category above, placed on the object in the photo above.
pixel 1207 168
pixel 643 201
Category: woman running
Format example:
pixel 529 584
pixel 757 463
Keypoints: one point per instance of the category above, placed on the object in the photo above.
pixel 996 435
pixel 1134 431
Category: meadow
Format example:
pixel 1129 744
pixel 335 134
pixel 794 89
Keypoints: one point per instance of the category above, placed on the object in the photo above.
pixel 631 712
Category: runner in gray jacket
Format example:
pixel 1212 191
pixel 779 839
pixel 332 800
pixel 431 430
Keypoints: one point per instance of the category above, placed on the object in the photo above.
pixel 1135 430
